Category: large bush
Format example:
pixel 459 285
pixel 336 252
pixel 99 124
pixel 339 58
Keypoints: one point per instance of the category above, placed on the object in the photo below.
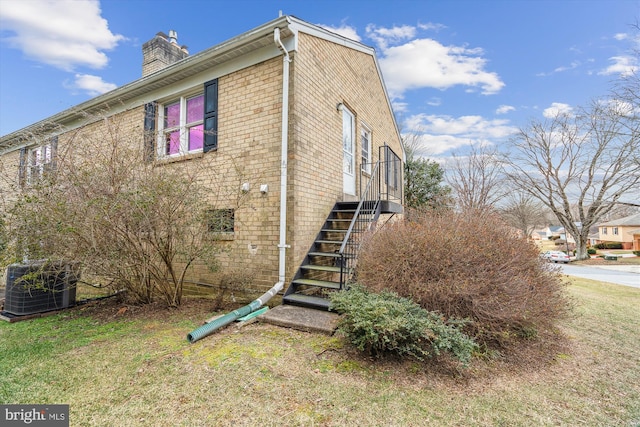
pixel 385 323
pixel 467 265
pixel 128 224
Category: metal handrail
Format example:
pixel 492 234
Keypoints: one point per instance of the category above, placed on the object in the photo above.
pixel 390 178
pixel 371 196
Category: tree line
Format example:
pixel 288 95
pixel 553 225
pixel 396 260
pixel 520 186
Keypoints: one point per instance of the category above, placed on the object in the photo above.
pixel 573 169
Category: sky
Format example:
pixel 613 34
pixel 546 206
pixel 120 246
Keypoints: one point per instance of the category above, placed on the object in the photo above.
pixel 459 73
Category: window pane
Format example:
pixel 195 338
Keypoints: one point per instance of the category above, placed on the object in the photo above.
pixel 196 137
pixel 347 132
pixel 366 160
pixel 172 115
pixel 173 142
pixel 195 109
pixel 47 153
pixel 347 164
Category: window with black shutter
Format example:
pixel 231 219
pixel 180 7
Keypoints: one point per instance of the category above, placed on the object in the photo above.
pixel 150 131
pixel 22 168
pixel 210 115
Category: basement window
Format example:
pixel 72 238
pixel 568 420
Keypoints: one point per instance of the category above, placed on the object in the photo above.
pixel 221 221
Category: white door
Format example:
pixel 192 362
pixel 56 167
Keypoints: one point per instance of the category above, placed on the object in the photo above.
pixel 348 149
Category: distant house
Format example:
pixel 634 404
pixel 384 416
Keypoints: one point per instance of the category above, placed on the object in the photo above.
pixel 624 230
pixel 538 235
pixel 303 111
pixel 556 231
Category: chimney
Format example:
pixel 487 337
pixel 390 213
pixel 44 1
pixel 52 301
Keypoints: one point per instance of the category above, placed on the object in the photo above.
pixel 161 51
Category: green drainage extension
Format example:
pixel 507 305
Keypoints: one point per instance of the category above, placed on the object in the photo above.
pixel 214 325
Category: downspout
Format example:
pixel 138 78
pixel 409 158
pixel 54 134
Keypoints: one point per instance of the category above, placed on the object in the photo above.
pixel 282 245
pixel 213 326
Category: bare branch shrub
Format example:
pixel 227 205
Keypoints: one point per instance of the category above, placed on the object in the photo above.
pixel 131 224
pixel 466 265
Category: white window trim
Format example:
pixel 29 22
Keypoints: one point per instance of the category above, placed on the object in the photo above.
pixel 184 130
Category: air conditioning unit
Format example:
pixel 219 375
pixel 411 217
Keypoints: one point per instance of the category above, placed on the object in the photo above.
pixel 37 287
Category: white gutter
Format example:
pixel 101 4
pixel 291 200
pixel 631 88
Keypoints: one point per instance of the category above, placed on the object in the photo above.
pixel 282 245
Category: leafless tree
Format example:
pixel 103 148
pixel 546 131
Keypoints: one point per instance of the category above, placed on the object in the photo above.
pixel 523 212
pixel 579 166
pixel 476 179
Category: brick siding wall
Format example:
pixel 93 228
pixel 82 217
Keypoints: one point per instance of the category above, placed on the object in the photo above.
pixel 323 74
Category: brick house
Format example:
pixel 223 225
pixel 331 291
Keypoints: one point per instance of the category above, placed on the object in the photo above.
pixel 294 116
pixel 623 230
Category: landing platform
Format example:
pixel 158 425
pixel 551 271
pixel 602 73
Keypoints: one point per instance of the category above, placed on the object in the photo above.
pixel 302 319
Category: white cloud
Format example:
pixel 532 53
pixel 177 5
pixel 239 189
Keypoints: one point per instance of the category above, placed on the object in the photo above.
pixel 385 36
pixel 439 133
pixel 423 63
pixel 430 26
pixel 620 107
pixel 344 30
pixel 504 109
pixel 92 85
pixel 61 33
pixel 434 145
pixel 556 109
pixel 400 107
pixel 623 65
pixel 573 65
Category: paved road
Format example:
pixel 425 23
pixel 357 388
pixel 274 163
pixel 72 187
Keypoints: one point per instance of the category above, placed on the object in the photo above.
pixel 610 274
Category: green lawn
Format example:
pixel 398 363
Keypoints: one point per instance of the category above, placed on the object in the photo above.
pixel 126 366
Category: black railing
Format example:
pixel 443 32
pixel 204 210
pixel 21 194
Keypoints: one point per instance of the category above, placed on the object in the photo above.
pixel 391 185
pixel 383 183
pixel 364 215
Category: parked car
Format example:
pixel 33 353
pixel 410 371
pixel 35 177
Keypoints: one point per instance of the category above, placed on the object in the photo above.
pixel 556 256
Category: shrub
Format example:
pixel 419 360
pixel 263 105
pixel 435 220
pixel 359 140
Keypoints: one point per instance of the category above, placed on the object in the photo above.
pixel 609 245
pixel 128 224
pixel 466 265
pixel 592 251
pixel 636 253
pixel 385 323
